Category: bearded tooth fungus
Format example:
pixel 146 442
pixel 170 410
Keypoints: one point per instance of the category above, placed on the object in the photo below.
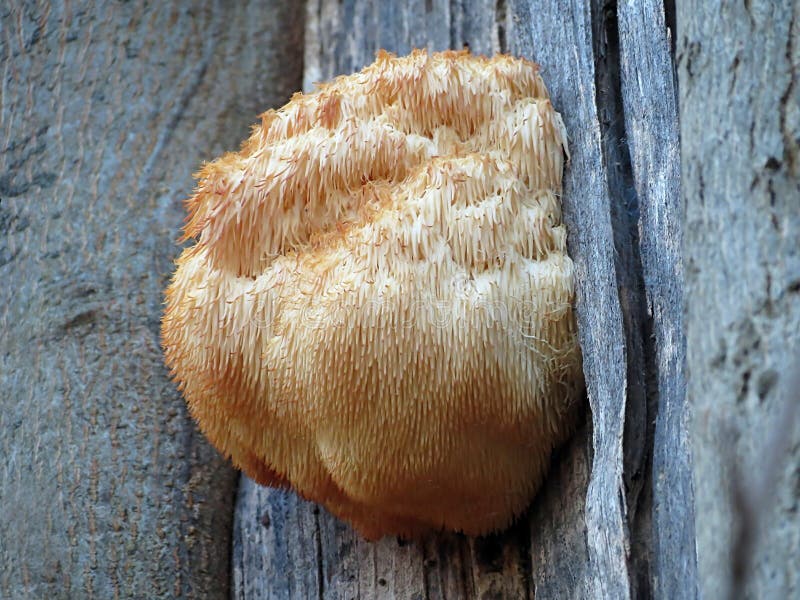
pixel 377 311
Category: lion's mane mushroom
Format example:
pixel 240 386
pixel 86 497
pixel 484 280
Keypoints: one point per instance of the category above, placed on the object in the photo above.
pixel 378 308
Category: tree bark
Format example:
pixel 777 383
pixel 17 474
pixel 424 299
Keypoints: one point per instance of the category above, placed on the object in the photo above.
pixel 594 528
pixel 106 109
pixel 740 134
pixel 107 488
pixel 649 99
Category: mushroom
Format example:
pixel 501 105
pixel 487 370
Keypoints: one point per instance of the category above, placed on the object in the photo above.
pixel 377 311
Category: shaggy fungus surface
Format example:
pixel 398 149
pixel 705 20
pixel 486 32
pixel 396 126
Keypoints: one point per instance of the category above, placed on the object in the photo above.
pixel 377 310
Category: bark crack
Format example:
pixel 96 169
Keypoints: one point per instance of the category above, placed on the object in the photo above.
pixel 671 18
pixel 638 432
pixel 318 548
pixel 790 144
pixel 500 13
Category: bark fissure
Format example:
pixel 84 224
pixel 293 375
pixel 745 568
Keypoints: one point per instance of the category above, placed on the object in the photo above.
pixel 320 561
pixel 500 16
pixel 641 394
pixel 648 92
pixel 790 143
pixel 670 17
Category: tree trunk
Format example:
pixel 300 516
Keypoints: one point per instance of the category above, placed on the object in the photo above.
pixel 107 488
pixel 740 124
pixel 106 109
pixel 595 528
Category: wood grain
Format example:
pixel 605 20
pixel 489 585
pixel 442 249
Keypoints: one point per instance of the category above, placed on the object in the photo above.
pixel 650 107
pixel 106 109
pixel 740 142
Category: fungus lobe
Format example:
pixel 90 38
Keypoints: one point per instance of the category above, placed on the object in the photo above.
pixel 377 310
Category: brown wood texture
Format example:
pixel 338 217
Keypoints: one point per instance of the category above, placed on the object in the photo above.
pixel 739 75
pixel 594 529
pixel 106 109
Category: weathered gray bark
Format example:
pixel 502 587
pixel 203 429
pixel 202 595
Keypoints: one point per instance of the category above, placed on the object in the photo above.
pixel 106 109
pixel 650 107
pixel 740 135
pixel 593 530
pixel 108 490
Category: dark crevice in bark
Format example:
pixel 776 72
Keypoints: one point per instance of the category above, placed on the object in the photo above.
pixel 641 519
pixel 456 13
pixel 670 19
pixel 672 23
pixel 464 559
pixel 237 547
pixel 790 144
pixel 427 572
pixel 523 540
pixel 500 22
pixel 318 548
pixel 640 370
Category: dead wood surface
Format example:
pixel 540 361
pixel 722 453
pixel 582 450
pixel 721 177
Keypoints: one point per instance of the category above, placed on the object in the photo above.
pixel 739 75
pixel 106 109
